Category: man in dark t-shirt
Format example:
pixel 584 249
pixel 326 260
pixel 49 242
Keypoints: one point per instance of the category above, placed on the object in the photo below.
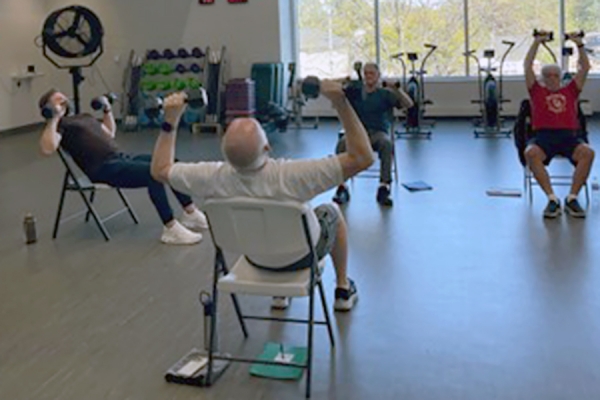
pixel 375 108
pixel 92 146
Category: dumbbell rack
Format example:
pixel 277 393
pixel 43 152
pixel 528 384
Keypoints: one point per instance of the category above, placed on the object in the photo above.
pixel 168 72
pixel 214 82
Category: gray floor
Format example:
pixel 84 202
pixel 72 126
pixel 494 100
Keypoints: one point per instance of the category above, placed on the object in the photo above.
pixel 463 296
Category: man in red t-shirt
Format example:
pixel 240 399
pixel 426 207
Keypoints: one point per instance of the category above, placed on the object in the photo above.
pixel 555 123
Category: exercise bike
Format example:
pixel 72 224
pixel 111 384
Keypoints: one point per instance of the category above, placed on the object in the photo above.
pixel 415 88
pixel 491 98
pixel 295 102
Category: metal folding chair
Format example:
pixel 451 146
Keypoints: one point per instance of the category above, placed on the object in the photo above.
pixel 76 181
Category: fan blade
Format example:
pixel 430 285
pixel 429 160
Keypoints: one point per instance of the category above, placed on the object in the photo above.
pixel 77 21
pixel 80 39
pixel 61 34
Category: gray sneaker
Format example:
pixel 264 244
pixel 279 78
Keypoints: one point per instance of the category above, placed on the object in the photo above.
pixel 573 208
pixel 552 210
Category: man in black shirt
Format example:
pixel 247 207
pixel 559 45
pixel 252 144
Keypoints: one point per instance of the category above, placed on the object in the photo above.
pixel 92 146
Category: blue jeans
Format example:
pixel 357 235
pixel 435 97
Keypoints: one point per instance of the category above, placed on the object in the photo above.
pixel 132 172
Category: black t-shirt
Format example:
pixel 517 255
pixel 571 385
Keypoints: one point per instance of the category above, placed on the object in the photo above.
pixel 374 109
pixel 84 139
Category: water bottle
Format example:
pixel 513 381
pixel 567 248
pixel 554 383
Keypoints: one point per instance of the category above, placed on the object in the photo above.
pixel 29 229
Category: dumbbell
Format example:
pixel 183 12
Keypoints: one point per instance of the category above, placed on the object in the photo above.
pixel 573 35
pixel 358 66
pixel 98 103
pixel 197 53
pixel 183 53
pixel 549 35
pixel 396 84
pixel 168 54
pixel 311 87
pixel 153 105
pixel 195 68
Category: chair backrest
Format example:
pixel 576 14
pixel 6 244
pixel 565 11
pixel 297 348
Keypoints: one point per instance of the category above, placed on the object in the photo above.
pixel 258 227
pixel 75 173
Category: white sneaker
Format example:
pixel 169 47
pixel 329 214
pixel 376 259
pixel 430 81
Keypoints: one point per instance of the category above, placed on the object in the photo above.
pixel 178 234
pixel 195 221
pixel 280 303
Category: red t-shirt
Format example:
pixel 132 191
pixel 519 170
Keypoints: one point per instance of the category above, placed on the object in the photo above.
pixel 554 110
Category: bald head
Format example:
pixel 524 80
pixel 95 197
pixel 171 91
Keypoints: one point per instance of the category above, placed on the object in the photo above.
pixel 245 144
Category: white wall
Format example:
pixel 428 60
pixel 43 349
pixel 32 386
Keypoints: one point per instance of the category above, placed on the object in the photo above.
pixel 20 22
pixel 250 32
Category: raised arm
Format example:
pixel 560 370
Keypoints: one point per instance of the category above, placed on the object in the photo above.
pixel 109 126
pixel 50 139
pixel 163 157
pixel 583 63
pixel 528 64
pixel 402 99
pixel 359 154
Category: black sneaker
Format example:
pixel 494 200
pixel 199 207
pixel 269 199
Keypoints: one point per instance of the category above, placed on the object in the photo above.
pixel 342 195
pixel 383 196
pixel 345 298
pixel 573 208
pixel 552 210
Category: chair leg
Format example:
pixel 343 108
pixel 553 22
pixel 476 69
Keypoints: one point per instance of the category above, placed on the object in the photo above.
pixel 61 203
pixel 395 167
pixel 128 205
pixel 587 194
pixel 219 263
pixel 91 210
pixel 238 312
pixel 92 197
pixel 311 324
pixel 326 313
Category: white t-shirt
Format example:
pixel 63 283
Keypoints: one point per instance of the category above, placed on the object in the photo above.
pixel 279 179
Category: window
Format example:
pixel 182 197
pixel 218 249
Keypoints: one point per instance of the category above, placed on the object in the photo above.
pixel 493 21
pixel 583 15
pixel 334 34
pixel 406 25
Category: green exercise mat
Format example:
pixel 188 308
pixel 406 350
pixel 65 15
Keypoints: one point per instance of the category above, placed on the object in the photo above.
pixel 273 352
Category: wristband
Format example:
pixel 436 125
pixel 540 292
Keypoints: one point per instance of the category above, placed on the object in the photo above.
pixel 166 127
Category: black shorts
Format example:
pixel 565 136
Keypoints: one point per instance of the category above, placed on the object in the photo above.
pixel 555 142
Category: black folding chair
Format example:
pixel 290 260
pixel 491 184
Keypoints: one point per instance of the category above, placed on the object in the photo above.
pixel 76 181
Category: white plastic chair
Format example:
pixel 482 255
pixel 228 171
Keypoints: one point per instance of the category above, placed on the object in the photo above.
pixel 254 228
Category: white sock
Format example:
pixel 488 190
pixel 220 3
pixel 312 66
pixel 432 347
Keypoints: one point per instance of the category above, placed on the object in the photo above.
pixel 552 197
pixel 571 197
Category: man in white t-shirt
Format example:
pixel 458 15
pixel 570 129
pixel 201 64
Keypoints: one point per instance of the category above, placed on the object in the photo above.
pixel 249 172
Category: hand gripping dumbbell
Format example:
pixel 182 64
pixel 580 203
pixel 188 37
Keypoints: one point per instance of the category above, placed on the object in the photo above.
pixel 549 35
pixel 311 87
pixel 573 35
pixel 196 99
pixel 104 102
